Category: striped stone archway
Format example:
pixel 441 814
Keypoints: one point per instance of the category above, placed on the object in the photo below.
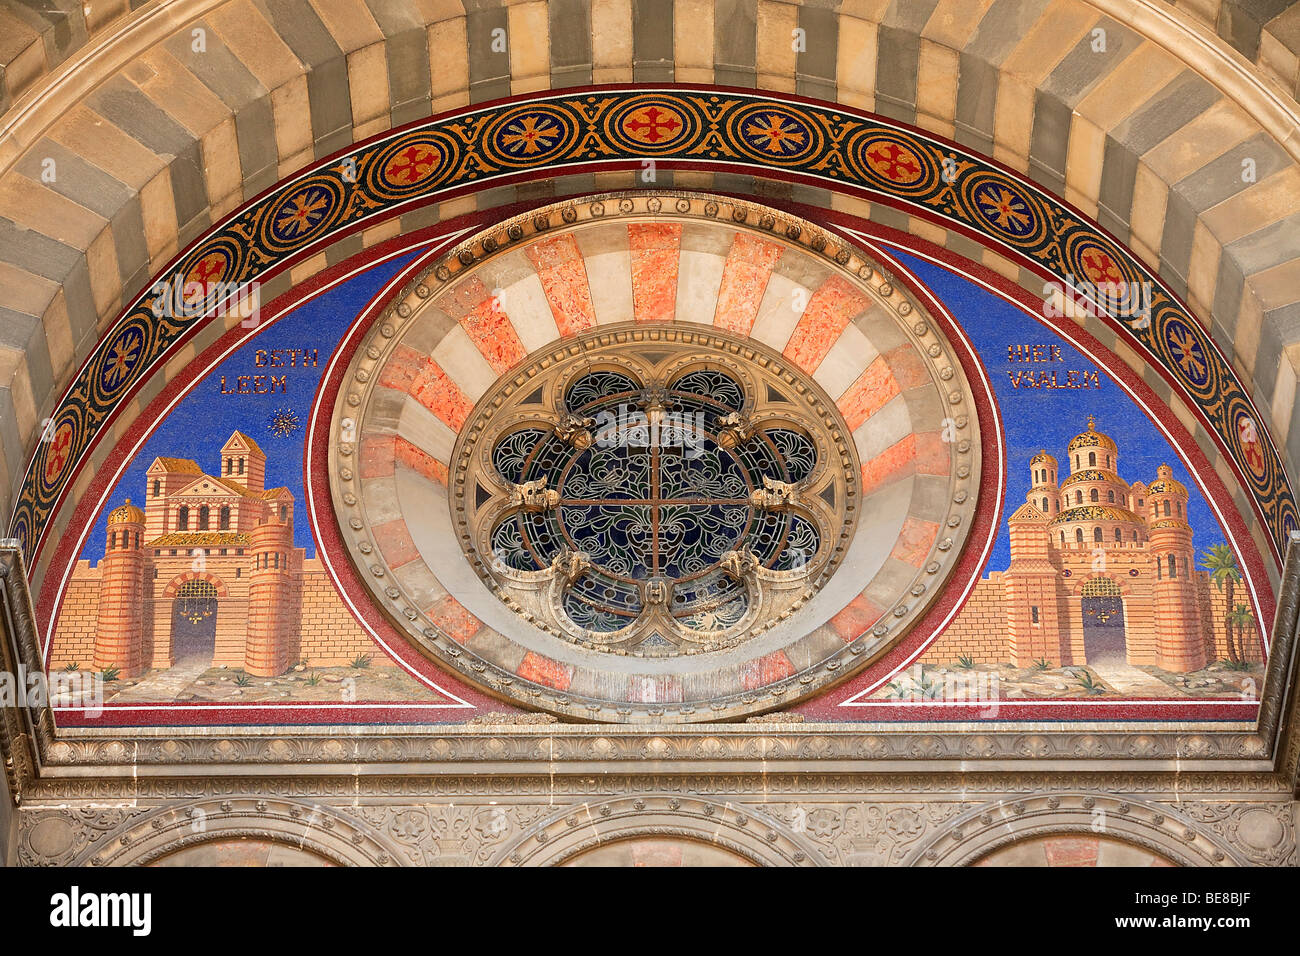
pixel 152 141
pixel 46 41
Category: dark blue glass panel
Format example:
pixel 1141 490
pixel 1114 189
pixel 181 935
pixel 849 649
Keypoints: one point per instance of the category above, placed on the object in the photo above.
pixel 593 618
pixel 549 461
pixel 615 472
pixel 617 538
pixel 509 547
pixel 543 535
pixel 707 591
pixel 705 471
pixel 759 458
pixel 800 546
pixel 767 536
pixel 595 386
pixel 596 587
pixel 511 452
pixel 713 385
pixel 692 538
pixel 796 450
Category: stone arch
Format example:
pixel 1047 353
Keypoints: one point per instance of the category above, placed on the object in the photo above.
pixel 1158 829
pixel 579 830
pixel 242 850
pixel 658 850
pixel 50 45
pixel 1071 849
pixel 213 138
pixel 177 582
pixel 312 827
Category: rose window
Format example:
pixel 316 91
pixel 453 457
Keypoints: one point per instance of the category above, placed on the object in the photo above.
pixel 616 493
pixel 658 507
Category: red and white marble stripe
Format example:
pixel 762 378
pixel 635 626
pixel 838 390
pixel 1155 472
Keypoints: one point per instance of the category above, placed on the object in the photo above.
pixel 745 275
pixel 654 248
pixel 563 275
pixel 830 309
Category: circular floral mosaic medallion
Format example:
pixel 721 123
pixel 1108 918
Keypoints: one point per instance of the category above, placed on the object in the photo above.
pixel 656 457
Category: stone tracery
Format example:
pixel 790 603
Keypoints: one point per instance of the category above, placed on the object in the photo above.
pixel 684 516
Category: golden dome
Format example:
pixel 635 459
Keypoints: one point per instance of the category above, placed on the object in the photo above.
pixel 1092 439
pixel 1095 513
pixel 1042 456
pixel 127 512
pixel 1166 483
pixel 1094 474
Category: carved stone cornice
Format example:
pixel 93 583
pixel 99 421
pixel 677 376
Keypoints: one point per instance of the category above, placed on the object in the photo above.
pixel 807 784
pixel 767 828
pixel 530 748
